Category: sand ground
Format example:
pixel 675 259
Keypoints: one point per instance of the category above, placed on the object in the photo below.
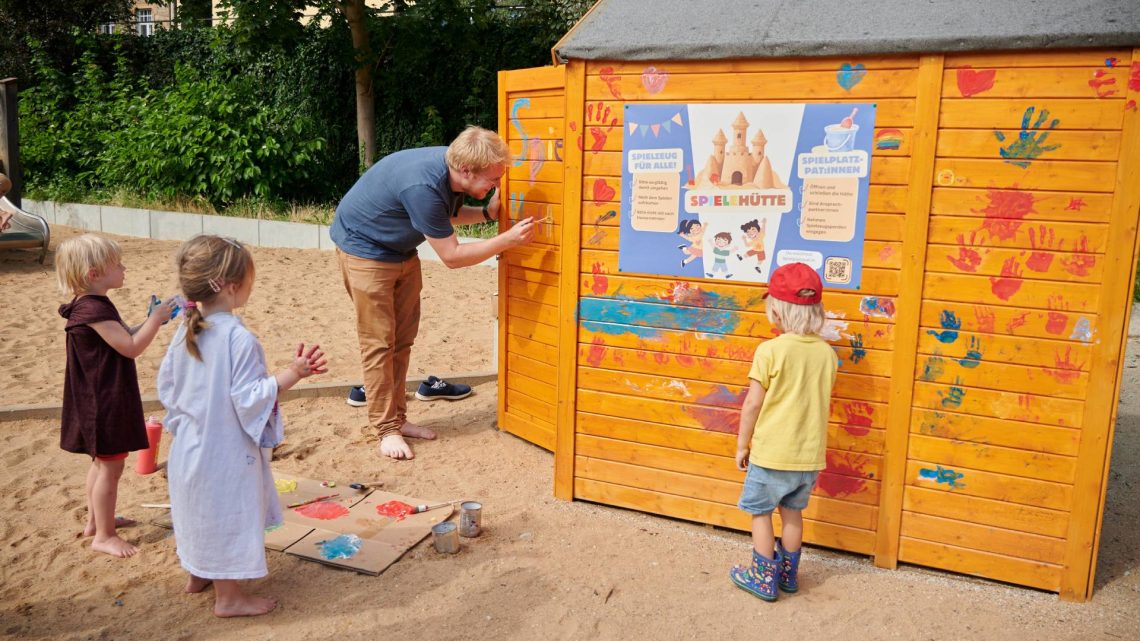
pixel 544 569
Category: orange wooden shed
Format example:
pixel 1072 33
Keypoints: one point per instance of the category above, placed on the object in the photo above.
pixel 973 415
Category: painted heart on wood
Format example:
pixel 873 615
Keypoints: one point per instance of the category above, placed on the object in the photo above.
pixel 973 82
pixel 654 80
pixel 850 75
pixel 602 191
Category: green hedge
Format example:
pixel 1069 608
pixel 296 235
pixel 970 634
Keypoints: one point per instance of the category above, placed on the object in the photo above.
pixel 196 114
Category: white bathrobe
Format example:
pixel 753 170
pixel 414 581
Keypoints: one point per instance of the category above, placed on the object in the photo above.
pixel 222 413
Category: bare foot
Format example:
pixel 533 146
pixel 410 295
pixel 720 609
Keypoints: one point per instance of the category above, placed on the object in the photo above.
pixel 115 547
pixel 196 584
pixel 412 430
pixel 120 521
pixel 245 606
pixel 394 446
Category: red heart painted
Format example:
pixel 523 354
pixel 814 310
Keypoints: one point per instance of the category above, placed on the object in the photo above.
pixel 602 191
pixel 654 80
pixel 972 83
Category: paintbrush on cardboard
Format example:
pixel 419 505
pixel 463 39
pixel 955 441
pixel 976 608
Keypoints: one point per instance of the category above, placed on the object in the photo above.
pixel 316 500
pixel 365 486
pixel 424 508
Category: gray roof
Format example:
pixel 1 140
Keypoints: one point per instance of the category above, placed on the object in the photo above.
pixel 717 29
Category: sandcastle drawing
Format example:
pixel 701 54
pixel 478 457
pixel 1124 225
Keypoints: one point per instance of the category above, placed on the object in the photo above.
pixel 737 166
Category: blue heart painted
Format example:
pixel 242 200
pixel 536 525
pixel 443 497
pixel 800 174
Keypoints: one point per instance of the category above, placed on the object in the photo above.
pixel 850 75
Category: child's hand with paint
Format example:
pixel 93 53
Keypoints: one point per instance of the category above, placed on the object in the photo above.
pixel 174 304
pixel 307 362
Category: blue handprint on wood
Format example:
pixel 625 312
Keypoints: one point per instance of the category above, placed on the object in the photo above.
pixel 1030 142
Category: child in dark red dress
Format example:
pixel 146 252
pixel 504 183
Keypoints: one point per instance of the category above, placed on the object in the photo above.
pixel 102 407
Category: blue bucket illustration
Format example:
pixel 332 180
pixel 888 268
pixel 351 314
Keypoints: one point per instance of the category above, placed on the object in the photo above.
pixel 840 138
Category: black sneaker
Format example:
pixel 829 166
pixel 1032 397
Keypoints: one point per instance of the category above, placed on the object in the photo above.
pixel 356 397
pixel 435 388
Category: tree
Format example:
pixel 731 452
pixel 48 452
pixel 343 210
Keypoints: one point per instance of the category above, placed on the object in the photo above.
pixel 53 25
pixel 365 103
pixel 276 23
pixel 195 13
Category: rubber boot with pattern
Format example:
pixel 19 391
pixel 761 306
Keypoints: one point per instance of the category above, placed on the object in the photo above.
pixel 760 578
pixel 789 567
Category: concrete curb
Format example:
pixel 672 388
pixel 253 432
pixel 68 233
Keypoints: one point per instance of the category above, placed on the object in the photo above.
pixel 319 390
pixel 169 225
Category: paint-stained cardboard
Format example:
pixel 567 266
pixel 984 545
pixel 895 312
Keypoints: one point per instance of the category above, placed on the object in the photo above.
pixel 327 528
pixel 346 531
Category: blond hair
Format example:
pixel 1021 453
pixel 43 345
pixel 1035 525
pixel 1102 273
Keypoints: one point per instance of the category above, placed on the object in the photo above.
pixel 206 264
pixel 791 318
pixel 477 149
pixel 76 257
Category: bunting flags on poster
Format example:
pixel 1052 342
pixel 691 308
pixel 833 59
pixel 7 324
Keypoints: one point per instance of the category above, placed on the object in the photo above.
pixel 655 127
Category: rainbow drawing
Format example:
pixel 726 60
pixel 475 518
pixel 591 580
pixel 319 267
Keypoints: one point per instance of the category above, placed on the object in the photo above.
pixel 888 139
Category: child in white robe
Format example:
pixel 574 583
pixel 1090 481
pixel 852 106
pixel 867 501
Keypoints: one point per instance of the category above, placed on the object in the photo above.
pixel 222 411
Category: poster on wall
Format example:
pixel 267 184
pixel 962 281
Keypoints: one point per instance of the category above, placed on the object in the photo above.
pixel 732 191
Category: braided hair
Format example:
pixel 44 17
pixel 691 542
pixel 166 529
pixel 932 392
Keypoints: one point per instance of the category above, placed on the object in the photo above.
pixel 206 264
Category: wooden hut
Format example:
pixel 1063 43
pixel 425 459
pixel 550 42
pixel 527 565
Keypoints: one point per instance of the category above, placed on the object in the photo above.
pixel 973 415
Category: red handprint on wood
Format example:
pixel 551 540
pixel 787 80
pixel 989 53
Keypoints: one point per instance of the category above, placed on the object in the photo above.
pixel 968 258
pixel 612 81
pixel 1066 370
pixel 601 281
pixel 1081 261
pixel 1040 238
pixel 1100 84
pixel 1056 321
pixel 984 318
pixel 857 417
pixel 598 123
pixel 1009 282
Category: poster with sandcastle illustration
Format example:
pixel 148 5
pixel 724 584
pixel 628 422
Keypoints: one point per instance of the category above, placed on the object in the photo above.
pixel 732 191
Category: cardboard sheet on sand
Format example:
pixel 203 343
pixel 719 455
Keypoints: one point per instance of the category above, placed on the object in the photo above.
pixel 364 531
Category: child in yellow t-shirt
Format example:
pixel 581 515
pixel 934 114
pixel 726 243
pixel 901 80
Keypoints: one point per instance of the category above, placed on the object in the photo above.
pixel 782 441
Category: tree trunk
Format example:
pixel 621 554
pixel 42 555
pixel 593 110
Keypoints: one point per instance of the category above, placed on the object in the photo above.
pixel 365 105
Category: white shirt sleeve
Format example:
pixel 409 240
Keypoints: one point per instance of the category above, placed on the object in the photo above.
pixel 254 392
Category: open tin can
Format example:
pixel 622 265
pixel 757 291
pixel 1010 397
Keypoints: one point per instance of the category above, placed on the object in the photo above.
pixel 470 519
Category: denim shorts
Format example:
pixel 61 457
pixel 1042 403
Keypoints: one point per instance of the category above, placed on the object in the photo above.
pixel 766 489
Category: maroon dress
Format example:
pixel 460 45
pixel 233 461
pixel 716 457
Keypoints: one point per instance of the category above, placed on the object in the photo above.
pixel 102 407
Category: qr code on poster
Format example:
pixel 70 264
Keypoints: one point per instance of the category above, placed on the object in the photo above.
pixel 837 270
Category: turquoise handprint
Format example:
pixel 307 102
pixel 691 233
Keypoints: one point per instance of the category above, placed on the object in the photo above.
pixel 1030 142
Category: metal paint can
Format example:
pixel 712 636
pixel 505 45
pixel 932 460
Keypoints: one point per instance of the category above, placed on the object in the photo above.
pixel 445 537
pixel 470 519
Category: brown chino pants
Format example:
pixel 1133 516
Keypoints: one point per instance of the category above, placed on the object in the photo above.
pixel 387 301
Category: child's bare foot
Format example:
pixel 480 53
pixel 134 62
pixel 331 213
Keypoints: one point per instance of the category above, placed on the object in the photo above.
pixel 196 584
pixel 417 431
pixel 114 546
pixel 244 605
pixel 394 446
pixel 120 521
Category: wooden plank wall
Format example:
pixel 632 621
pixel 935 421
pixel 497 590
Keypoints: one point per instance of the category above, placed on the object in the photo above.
pixel 532 120
pixel 663 363
pixel 1013 308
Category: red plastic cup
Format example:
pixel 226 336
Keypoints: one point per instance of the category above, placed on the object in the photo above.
pixel 147 461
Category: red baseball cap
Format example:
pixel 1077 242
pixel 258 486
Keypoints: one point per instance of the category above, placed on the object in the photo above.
pixel 787 281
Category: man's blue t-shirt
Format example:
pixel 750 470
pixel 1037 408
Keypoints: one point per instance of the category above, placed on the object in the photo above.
pixel 396 204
